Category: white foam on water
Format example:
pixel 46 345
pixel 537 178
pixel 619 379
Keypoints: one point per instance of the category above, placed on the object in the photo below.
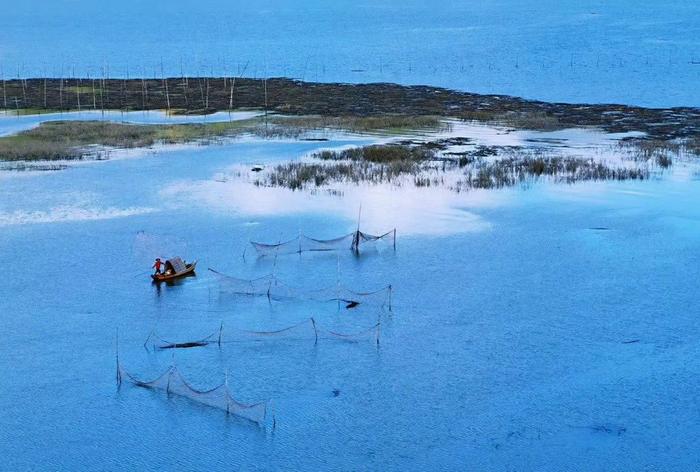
pixel 429 211
pixel 67 213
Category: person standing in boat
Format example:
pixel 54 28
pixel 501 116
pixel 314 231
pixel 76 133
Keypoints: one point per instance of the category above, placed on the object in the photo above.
pixel 156 266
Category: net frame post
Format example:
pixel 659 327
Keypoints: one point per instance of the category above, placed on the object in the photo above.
pixel 119 373
pixel 391 296
pixel 313 323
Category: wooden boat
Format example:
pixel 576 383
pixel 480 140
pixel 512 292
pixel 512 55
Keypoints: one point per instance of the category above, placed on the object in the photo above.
pixel 174 269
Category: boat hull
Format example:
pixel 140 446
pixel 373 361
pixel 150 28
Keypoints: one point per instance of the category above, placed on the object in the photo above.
pixel 157 278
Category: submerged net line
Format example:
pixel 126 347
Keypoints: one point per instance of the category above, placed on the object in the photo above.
pixel 307 329
pixel 302 243
pixel 274 288
pixel 173 382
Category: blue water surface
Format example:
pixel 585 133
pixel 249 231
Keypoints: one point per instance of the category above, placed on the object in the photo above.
pixel 636 52
pixel 560 334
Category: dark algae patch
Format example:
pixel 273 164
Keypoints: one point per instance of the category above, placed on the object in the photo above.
pixel 200 95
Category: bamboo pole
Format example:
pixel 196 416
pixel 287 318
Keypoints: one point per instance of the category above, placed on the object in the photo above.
pixel 143 92
pixel 4 90
pixel 77 91
pixel 185 85
pixel 265 88
pixel 165 85
pixel 23 83
pixel 201 91
pixel 94 95
pixel 102 90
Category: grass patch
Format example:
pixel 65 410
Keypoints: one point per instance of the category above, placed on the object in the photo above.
pixel 540 121
pixel 28 111
pixel 388 153
pixel 72 139
pixel 81 89
pixel 481 168
pixel 507 172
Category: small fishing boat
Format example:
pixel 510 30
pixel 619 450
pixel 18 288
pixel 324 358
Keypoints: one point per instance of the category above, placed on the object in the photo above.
pixel 174 269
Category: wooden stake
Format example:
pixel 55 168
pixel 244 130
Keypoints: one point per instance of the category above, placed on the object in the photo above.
pixel 4 90
pixel 265 87
pixel 77 91
pixel 165 84
pixel 102 90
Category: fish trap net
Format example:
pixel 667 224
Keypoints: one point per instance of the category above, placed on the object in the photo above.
pixel 172 382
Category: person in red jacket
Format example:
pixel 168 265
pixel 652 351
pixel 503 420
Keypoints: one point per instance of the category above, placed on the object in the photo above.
pixel 156 265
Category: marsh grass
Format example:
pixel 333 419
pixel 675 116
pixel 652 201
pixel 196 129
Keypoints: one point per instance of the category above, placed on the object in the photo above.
pixel 511 171
pixel 388 153
pixel 540 121
pixel 424 168
pixel 72 139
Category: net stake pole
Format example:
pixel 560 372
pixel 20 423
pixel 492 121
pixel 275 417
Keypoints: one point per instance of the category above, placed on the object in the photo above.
pixel 394 239
pixel 274 418
pixel 391 292
pixel 379 328
pixel 145 343
pixel 221 329
pixel 274 267
pixel 337 286
pixel 357 233
pixel 313 323
pixel 119 375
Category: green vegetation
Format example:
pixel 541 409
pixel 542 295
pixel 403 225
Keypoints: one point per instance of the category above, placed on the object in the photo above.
pixel 386 153
pixel 482 168
pixel 81 89
pixel 72 139
pixel 76 139
pixel 540 121
pixel 510 171
pixel 29 111
pixel 378 101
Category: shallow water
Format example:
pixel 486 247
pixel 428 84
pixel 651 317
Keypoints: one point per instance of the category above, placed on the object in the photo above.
pixel 639 52
pixel 544 328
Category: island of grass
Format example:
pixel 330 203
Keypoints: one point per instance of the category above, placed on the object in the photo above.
pixel 296 109
pixel 203 95
pixel 425 165
pixel 65 140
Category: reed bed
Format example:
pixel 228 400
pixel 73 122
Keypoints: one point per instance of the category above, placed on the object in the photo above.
pixel 63 140
pixel 482 168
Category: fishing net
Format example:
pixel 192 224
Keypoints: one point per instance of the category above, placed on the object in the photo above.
pixel 305 330
pixel 302 243
pixel 274 288
pixel 147 246
pixel 172 382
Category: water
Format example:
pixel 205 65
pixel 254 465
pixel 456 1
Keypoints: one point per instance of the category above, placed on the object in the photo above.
pixel 509 346
pixel 635 52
